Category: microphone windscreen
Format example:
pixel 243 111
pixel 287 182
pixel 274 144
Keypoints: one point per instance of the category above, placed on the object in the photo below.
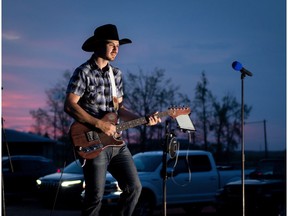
pixel 237 65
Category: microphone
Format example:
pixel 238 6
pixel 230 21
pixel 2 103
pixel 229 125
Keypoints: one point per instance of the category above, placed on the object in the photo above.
pixel 238 67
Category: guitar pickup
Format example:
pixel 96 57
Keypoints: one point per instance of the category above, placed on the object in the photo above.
pixel 92 136
pixel 89 148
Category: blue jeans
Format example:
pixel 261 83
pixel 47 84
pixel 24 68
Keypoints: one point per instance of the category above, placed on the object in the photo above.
pixel 119 162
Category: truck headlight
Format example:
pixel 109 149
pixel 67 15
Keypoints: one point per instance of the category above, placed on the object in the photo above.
pixel 114 188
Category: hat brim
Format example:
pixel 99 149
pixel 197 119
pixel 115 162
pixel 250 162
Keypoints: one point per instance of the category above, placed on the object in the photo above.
pixel 90 44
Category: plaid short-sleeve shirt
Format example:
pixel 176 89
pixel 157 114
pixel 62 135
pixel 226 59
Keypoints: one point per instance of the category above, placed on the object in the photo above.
pixel 93 86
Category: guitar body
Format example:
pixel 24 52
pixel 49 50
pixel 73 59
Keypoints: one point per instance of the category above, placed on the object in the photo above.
pixel 89 142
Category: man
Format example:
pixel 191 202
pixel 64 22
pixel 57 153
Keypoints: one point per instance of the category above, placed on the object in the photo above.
pixel 91 93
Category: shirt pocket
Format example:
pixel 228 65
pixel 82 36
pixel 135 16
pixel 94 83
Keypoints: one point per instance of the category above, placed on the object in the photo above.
pixel 95 95
pixel 92 94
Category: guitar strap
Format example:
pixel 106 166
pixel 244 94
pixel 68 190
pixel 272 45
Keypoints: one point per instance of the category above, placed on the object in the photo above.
pixel 114 91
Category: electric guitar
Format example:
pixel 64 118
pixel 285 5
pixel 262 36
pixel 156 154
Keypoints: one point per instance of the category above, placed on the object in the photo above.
pixel 89 141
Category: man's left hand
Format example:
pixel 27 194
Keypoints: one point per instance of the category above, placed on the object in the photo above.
pixel 153 119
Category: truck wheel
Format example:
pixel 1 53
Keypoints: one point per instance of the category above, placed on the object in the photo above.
pixel 145 205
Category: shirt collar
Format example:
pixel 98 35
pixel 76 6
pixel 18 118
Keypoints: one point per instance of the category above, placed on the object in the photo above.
pixel 94 65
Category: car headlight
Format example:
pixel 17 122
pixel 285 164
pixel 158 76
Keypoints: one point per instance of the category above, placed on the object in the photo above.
pixel 38 181
pixel 69 183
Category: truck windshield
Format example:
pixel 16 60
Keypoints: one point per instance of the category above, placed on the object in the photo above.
pixel 147 163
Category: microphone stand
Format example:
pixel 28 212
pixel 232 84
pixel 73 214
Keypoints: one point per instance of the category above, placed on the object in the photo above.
pixel 242 144
pixel 186 125
pixel 169 135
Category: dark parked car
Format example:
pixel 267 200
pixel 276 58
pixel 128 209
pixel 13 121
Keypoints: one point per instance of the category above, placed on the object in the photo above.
pixel 265 192
pixel 68 186
pixel 20 173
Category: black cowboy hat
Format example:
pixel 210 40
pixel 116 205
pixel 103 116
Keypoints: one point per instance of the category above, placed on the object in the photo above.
pixel 103 33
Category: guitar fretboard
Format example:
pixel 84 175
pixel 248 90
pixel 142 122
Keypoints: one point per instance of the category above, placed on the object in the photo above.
pixel 137 122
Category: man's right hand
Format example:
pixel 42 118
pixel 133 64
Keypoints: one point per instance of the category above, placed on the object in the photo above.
pixel 107 128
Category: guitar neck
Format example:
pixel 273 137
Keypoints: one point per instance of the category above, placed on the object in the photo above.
pixel 137 122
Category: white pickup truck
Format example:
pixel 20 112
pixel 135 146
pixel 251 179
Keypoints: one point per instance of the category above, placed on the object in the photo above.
pixel 192 184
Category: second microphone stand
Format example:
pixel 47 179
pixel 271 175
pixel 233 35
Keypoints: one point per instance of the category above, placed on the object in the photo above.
pixel 169 137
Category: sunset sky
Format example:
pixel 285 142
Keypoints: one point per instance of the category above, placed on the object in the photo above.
pixel 42 39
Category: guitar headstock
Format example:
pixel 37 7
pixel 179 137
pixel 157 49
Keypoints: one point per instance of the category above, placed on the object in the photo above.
pixel 176 111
